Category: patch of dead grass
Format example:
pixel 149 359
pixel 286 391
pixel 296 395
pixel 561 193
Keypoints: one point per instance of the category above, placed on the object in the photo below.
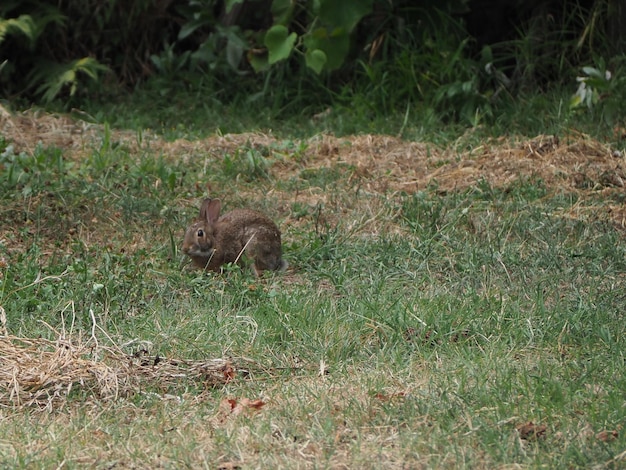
pixel 41 373
pixel 384 162
pixel 376 164
pixel 27 129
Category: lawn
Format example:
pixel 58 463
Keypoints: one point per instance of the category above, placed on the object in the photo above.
pixel 446 306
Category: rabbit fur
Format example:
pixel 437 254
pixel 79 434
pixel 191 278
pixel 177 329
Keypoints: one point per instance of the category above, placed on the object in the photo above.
pixel 212 241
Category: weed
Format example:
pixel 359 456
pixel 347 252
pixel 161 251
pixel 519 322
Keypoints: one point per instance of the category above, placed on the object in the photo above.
pixel 247 163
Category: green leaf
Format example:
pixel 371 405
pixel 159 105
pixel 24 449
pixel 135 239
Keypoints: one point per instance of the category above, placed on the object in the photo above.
pixel 89 66
pixel 234 52
pixel 315 59
pixel 279 43
pixel 54 86
pixel 24 24
pixel 575 101
pixel 54 77
pixel 593 72
pixel 259 62
pixel 231 3
pixel 344 14
pixel 335 45
pixel 191 26
pixel 282 10
pixel 598 83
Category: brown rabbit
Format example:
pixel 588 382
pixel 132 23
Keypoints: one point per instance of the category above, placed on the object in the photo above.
pixel 213 240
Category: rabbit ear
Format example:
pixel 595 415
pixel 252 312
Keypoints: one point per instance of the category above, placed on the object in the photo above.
pixel 204 207
pixel 210 210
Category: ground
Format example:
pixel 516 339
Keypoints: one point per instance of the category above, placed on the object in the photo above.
pixel 413 330
pixel 377 163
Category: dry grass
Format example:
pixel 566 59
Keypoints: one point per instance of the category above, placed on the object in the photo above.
pixel 366 414
pixel 376 163
pixel 29 128
pixel 39 373
pixel 387 163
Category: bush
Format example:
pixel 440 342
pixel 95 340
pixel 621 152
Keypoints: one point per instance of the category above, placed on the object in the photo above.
pixel 456 57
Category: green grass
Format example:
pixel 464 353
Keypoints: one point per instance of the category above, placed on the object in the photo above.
pixel 459 317
pixel 289 114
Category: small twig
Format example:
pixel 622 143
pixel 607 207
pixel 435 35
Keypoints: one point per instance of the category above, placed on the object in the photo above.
pixel 94 325
pixel 3 321
pixel 39 280
pixel 244 248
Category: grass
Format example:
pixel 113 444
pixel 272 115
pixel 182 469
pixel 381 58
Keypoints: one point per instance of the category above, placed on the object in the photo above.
pixel 354 111
pixel 414 330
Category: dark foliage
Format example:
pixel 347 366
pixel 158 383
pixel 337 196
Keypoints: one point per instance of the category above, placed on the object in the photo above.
pixel 458 56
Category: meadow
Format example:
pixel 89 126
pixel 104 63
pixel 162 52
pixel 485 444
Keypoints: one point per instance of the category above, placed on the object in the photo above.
pixel 454 304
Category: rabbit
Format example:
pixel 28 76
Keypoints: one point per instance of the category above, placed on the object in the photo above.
pixel 213 241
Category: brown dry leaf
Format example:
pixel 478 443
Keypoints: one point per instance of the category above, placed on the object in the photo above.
pixel 456 337
pixel 229 373
pixel 254 404
pixel 232 406
pixel 100 434
pixel 531 431
pixel 410 333
pixel 607 436
pixel 227 405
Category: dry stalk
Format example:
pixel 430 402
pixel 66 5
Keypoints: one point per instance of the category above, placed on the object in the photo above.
pixel 41 373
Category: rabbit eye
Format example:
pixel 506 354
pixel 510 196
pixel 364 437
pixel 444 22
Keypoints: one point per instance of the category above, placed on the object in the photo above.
pixel 200 232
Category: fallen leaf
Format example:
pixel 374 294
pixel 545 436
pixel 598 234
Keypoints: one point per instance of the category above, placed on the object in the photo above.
pixel 228 404
pixel 544 144
pixel 231 406
pixel 607 436
pixel 100 434
pixel 456 337
pixel 256 404
pixel 229 373
pixel 582 181
pixel 531 431
pixel 410 333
